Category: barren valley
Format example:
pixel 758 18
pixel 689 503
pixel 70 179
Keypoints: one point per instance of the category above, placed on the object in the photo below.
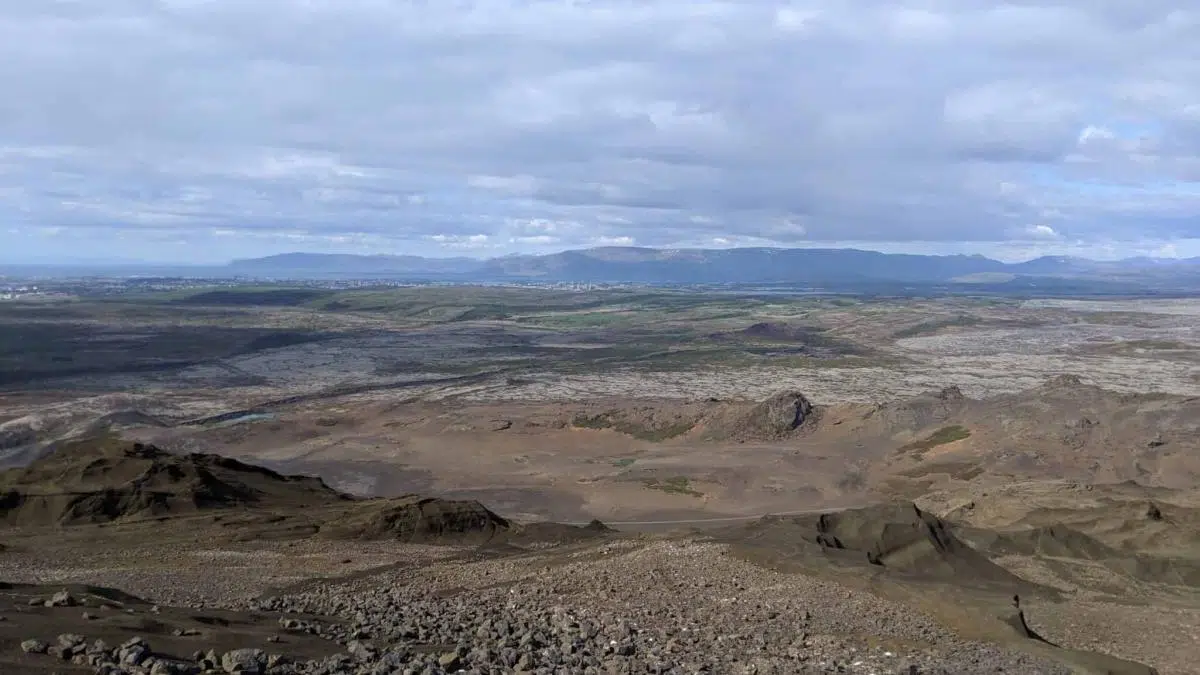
pixel 526 480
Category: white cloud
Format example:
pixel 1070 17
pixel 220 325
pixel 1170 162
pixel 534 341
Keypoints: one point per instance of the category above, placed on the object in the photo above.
pixel 613 241
pixel 521 184
pixel 535 240
pixel 793 19
pixel 1167 251
pixel 467 242
pixel 1042 232
pixel 1092 133
pixel 658 121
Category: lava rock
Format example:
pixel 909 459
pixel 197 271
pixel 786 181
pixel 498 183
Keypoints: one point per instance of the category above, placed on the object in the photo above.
pixel 34 647
pixel 245 661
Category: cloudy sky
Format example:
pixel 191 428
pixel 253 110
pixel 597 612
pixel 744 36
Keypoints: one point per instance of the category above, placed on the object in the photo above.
pixel 200 130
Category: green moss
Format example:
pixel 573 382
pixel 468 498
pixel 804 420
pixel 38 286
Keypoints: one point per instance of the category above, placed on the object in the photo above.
pixel 642 432
pixel 601 421
pixel 942 436
pixel 677 485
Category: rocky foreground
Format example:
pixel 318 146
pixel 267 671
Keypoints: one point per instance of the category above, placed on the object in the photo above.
pixel 625 607
pixel 501 597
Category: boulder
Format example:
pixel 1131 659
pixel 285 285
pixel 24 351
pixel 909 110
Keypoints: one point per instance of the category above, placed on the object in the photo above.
pixel 244 661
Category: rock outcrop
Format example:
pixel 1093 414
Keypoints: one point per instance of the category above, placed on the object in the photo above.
pixel 103 480
pixel 779 415
pixel 416 519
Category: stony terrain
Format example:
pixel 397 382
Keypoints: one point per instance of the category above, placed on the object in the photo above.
pixel 388 623
pixel 781 594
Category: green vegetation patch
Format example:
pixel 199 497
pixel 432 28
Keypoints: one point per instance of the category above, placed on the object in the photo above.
pixel 601 421
pixel 676 485
pixel 641 431
pixel 942 436
pixel 663 432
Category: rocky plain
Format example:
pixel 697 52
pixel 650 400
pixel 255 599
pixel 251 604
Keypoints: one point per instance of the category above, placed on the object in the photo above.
pixel 496 481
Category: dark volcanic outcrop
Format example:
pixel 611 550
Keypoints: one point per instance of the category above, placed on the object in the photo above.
pixel 772 419
pixel 102 480
pixel 775 417
pixel 780 332
pixel 416 519
pixel 896 538
pixel 924 411
pixel 1067 546
pixel 427 520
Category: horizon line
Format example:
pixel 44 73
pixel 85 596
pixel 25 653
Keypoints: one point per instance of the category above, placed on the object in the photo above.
pixel 127 263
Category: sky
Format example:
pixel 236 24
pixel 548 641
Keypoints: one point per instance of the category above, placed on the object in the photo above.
pixel 204 130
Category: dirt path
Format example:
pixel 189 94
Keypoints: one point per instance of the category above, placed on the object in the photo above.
pixel 705 521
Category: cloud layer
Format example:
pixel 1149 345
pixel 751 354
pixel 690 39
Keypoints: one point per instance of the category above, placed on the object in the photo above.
pixel 177 128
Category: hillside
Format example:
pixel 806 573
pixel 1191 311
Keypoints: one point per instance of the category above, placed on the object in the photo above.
pixel 102 480
pixel 929 577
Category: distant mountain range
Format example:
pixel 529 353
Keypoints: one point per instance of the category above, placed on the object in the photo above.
pixel 713 266
pixel 826 269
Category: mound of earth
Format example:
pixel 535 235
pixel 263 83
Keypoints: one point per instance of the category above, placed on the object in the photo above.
pixel 900 551
pixel 1127 517
pixel 105 480
pixel 1058 542
pixel 553 534
pixel 782 332
pixel 775 418
pixel 644 422
pixel 102 479
pixel 1067 544
pixel 920 412
pixel 417 519
pixel 1063 430
pixel 894 538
